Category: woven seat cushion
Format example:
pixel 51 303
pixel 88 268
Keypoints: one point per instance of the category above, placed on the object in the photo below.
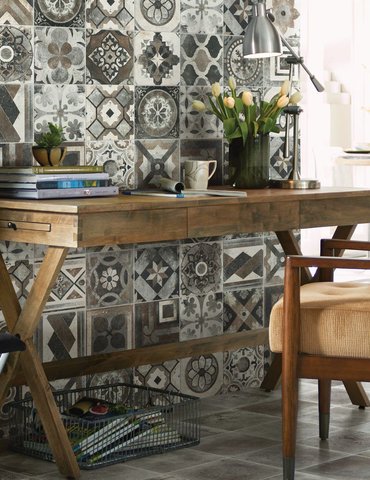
pixel 335 320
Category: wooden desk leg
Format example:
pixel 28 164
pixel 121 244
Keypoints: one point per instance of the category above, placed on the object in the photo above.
pixel 25 326
pixel 290 246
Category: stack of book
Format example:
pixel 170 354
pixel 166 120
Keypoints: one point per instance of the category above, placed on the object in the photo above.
pixel 55 182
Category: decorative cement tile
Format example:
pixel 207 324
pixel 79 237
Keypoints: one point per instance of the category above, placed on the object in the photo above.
pixel 207 150
pixel 61 104
pixel 201 376
pixel 243 369
pixel 117 157
pixel 201 59
pixel 16 13
pixel 7 414
pixel 110 14
pixel 59 55
pixel 156 112
pixel 280 166
pixel 16 54
pixel 16 154
pixel 200 16
pixel 279 68
pixel 201 316
pixel 109 278
pixel 156 322
pixel 75 153
pixel 286 16
pixel 109 57
pixel 161 16
pixel 196 124
pixel 109 112
pixel 274 261
pixel 109 329
pixel 13 251
pixel 245 72
pixel 156 273
pixel 111 379
pixel 157 58
pixel 165 376
pixel 236 16
pixel 243 263
pixel 201 268
pixel 243 309
pixel 21 273
pixel 16 113
pixel 63 13
pixel 156 159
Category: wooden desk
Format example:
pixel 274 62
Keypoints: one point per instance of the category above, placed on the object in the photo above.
pixel 61 224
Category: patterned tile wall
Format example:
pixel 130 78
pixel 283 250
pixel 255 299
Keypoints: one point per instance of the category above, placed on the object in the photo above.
pixel 120 76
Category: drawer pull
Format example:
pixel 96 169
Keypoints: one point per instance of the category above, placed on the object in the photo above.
pixel 12 225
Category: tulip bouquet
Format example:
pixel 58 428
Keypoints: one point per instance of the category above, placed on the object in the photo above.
pixel 241 117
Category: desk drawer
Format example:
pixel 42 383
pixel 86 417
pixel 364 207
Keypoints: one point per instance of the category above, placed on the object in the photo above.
pixel 35 227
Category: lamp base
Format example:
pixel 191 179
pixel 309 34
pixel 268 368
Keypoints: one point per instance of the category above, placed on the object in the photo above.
pixel 301 184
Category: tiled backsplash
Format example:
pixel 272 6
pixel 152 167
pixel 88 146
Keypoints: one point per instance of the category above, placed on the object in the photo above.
pixel 120 76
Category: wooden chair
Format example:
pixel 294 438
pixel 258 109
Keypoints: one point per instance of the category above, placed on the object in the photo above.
pixel 322 330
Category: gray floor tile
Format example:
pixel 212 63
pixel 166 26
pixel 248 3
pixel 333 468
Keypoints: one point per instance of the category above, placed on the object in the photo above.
pixel 349 468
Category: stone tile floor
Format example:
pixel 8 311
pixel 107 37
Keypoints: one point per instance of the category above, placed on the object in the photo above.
pixel 240 439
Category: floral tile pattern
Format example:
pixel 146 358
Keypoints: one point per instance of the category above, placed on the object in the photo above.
pixel 109 278
pixel 16 13
pixel 164 377
pixel 109 112
pixel 15 113
pixel 236 16
pixel 156 112
pixel 196 124
pixel 63 13
pixel 243 369
pixel 285 15
pixel 157 58
pixel 154 16
pixel 202 376
pixel 243 309
pixel 109 57
pixel 201 316
pixel 117 157
pixel 59 55
pixel 156 322
pixel 110 14
pixel 56 103
pixel 109 329
pixel 274 261
pixel 201 268
pixel 245 72
pixel 201 59
pixel 155 159
pixel 16 54
pixel 202 16
pixel 243 262
pixel 156 273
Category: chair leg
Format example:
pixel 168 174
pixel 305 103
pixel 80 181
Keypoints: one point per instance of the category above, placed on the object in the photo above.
pixel 324 408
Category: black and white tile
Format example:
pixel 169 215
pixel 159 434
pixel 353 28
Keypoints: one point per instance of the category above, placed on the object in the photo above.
pixel 155 16
pixel 243 368
pixel 62 13
pixel 16 54
pixel 243 309
pixel 110 14
pixel 243 262
pixel 201 16
pixel 201 316
pixel 156 322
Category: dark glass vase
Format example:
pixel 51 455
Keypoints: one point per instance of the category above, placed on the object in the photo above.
pixel 250 163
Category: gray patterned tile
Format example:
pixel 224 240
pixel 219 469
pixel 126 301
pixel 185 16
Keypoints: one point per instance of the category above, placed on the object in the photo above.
pixel 155 16
pixel 62 13
pixel 16 54
pixel 243 309
pixel 243 262
pixel 156 322
pixel 164 377
pixel 201 16
pixel 16 113
pixel 200 316
pixel 274 261
pixel 286 16
pixel 202 376
pixel 243 368
pixel 16 13
pixel 17 154
pixel 236 16
pixel 112 14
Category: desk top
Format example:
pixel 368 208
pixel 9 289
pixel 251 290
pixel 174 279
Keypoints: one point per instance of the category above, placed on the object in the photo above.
pixel 83 222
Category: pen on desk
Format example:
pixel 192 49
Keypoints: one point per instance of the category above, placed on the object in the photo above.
pixel 154 194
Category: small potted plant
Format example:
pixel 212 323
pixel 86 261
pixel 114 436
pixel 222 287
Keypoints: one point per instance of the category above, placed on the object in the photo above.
pixel 48 150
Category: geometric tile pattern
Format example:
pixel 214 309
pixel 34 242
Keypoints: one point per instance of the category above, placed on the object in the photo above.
pixel 243 369
pixel 109 329
pixel 200 268
pixel 243 309
pixel 109 57
pixel 16 154
pixel 109 112
pixel 109 279
pixel 236 16
pixel 21 273
pixel 156 159
pixel 153 16
pixel 274 261
pixel 13 251
pixel 202 17
pixel 112 14
pixel 201 59
pixel 156 322
pixel 243 263
pixel 15 113
pixel 59 55
pixel 16 54
pixel 201 316
pixel 16 13
pixel 158 61
pixel 117 157
pixel 156 273
pixel 63 13
pixel 165 376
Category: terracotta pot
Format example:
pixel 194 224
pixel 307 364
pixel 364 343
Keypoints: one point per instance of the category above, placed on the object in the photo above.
pixel 49 156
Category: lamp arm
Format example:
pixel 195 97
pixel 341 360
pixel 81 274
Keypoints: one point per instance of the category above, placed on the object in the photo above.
pixel 313 79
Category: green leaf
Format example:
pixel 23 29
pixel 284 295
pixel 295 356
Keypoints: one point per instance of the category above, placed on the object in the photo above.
pixel 229 127
pixel 239 105
pixel 244 129
pixel 215 109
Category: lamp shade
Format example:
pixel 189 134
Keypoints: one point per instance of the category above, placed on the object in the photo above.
pixel 261 39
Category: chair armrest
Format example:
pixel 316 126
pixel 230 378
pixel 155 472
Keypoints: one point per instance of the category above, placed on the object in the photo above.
pixel 297 261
